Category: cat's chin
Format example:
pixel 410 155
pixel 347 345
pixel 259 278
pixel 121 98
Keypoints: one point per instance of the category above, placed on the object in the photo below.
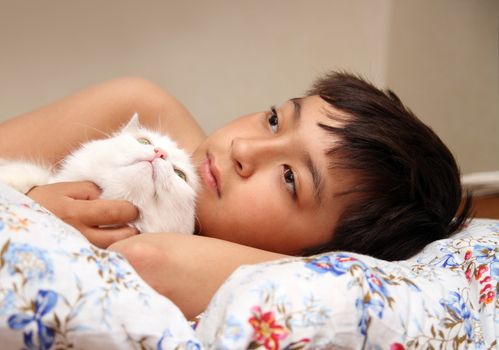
pixel 144 185
pixel 149 170
pixel 137 174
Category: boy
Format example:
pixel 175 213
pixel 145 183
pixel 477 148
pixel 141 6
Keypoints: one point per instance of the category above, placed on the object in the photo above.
pixel 345 167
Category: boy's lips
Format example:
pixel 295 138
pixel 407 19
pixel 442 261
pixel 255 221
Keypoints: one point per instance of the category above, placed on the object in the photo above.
pixel 210 174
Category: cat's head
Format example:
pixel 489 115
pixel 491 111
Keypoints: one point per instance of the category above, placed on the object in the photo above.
pixel 142 166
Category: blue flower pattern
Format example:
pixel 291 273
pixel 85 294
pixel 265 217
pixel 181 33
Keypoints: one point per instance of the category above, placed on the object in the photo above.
pixel 336 264
pixel 29 261
pixel 373 302
pixel 458 310
pixel 45 302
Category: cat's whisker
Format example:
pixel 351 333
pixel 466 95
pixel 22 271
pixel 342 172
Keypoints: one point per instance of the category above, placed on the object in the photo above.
pixel 159 123
pixel 197 224
pixel 86 127
pixel 57 164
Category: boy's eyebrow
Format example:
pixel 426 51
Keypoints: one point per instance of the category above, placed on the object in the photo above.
pixel 316 178
pixel 312 168
pixel 296 110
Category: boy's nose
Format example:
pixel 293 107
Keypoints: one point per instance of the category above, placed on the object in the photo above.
pixel 248 154
pixel 159 153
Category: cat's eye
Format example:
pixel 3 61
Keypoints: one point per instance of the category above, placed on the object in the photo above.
pixel 144 141
pixel 180 174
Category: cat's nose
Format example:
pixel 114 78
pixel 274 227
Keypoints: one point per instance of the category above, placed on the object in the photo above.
pixel 159 153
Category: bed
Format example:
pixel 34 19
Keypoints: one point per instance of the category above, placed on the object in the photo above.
pixel 57 291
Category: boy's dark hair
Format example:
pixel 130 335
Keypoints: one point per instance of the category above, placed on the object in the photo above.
pixel 408 187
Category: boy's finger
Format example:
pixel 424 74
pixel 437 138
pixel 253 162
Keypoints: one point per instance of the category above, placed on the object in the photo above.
pixel 104 237
pixel 104 212
pixel 78 190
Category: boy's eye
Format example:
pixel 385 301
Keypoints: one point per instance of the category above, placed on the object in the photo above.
pixel 289 180
pixel 144 141
pixel 180 174
pixel 273 120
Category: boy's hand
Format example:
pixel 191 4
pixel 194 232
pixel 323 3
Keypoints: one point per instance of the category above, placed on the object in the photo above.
pixel 77 204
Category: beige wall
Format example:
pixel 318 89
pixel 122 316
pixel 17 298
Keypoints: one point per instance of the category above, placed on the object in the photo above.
pixel 443 61
pixel 227 58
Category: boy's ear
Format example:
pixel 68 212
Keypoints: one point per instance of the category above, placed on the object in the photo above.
pixel 133 124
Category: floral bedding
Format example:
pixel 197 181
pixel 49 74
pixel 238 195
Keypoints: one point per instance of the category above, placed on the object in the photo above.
pixel 444 298
pixel 58 291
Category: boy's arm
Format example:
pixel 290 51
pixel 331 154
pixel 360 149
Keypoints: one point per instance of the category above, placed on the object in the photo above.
pixel 51 132
pixel 185 268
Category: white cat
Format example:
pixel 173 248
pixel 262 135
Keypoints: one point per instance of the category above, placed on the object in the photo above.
pixel 135 164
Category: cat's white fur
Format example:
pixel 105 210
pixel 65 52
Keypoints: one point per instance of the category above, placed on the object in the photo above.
pixel 125 168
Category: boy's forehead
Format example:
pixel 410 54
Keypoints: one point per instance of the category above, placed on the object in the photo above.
pixel 314 107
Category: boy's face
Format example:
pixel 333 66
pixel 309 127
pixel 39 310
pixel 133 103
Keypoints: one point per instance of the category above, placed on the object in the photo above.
pixel 265 180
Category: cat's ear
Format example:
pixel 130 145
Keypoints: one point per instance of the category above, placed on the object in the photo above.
pixel 133 124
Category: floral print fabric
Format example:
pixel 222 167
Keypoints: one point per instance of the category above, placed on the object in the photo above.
pixel 58 291
pixel 443 298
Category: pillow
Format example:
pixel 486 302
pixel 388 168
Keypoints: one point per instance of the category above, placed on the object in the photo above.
pixel 59 291
pixel 444 297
